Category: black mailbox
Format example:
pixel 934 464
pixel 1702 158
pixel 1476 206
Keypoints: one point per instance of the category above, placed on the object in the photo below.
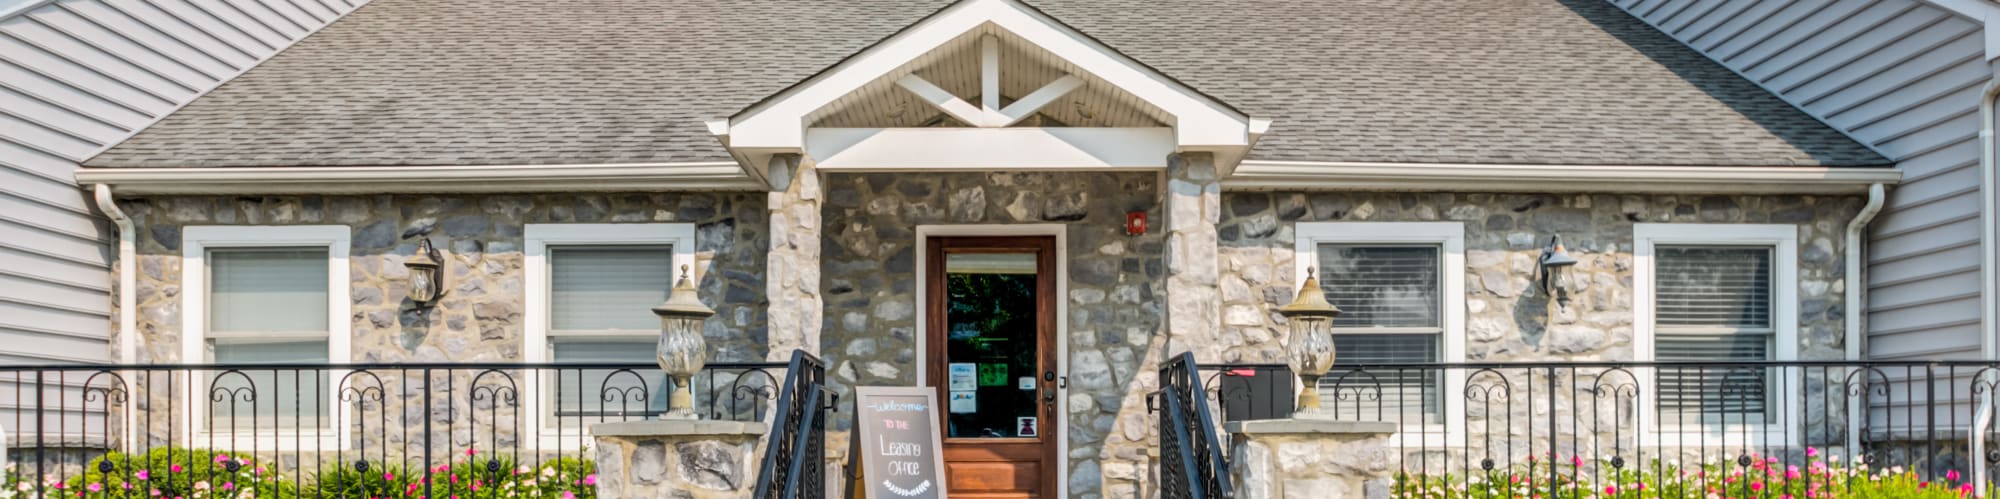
pixel 1260 391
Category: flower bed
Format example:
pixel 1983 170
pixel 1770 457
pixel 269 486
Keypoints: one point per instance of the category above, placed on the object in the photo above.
pixel 178 473
pixel 1761 477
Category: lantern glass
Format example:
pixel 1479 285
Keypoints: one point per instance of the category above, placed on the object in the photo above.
pixel 1311 345
pixel 682 350
pixel 423 285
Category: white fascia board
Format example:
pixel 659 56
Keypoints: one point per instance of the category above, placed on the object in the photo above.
pixel 1352 176
pixel 700 176
pixel 779 123
pixel 1021 148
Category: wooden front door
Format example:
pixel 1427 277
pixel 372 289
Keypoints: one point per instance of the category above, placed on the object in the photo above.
pixel 991 353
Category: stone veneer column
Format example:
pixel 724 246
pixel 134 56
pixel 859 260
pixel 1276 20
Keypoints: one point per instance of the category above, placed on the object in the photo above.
pixel 791 279
pixel 1311 458
pixel 681 458
pixel 1193 206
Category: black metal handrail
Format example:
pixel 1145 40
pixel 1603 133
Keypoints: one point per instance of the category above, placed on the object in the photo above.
pixel 795 449
pixel 325 427
pixel 1193 464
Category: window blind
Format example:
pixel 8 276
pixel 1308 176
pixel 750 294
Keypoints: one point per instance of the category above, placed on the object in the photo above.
pixel 1381 286
pixel 1713 393
pixel 608 288
pixel 1408 395
pixel 267 290
pixel 1713 286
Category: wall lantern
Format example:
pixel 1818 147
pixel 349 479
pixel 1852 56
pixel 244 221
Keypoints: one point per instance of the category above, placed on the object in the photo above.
pixel 426 274
pixel 1310 345
pixel 682 351
pixel 1554 275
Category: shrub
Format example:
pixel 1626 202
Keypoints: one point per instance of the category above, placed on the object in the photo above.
pixel 178 472
pixel 1763 477
pixel 563 477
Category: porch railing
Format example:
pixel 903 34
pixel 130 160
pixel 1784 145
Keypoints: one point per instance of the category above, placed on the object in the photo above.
pixel 795 450
pixel 355 430
pixel 1583 426
pixel 1193 462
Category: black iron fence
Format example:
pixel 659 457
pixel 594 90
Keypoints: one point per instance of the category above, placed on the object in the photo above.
pixel 361 430
pixel 1594 428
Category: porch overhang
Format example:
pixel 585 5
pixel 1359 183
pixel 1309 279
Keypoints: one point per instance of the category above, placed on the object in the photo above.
pixel 784 123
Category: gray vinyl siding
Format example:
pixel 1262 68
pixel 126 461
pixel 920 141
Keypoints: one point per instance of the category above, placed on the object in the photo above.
pixel 76 77
pixel 1902 77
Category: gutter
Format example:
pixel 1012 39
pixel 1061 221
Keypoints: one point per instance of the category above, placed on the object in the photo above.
pixel 691 176
pixel 1303 175
pixel 128 277
pixel 1857 285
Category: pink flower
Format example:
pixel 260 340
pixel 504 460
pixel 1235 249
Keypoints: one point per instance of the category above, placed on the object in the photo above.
pixel 1756 485
pixel 1578 460
pixel 143 475
pixel 95 487
pixel 219 459
pixel 1965 489
pixel 388 476
pixel 469 451
pixel 1951 475
pixel 1611 490
pixel 1811 452
pixel 568 495
pixel 174 468
pixel 1792 473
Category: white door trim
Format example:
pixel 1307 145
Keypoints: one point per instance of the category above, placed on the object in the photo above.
pixel 1061 233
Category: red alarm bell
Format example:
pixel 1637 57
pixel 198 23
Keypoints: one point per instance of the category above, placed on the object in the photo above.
pixel 1135 223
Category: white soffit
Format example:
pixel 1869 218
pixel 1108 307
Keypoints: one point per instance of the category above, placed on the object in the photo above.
pixel 779 125
pixel 1021 148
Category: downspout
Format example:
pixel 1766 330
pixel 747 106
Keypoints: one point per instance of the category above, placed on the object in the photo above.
pixel 1855 292
pixel 1988 259
pixel 128 276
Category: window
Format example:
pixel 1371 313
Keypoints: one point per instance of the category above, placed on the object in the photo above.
pixel 590 290
pixel 1389 301
pixel 1400 287
pixel 1713 305
pixel 1719 295
pixel 266 295
pixel 599 301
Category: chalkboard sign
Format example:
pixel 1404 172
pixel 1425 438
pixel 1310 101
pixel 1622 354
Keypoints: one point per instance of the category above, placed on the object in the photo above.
pixel 901 452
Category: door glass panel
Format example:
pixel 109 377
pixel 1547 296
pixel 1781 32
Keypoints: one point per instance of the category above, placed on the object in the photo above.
pixel 991 345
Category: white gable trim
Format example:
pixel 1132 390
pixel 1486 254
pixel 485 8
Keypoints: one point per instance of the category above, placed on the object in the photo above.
pixel 778 125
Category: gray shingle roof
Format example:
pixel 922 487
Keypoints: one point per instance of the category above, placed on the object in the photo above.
pixel 438 82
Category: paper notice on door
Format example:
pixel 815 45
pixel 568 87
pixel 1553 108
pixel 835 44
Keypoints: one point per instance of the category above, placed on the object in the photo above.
pixel 1026 427
pixel 966 402
pixel 960 376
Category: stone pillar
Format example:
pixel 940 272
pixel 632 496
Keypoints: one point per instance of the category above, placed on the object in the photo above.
pixel 677 458
pixel 1311 458
pixel 1194 298
pixel 791 279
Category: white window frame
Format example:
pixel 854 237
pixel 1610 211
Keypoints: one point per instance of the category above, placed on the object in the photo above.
pixel 536 346
pixel 196 241
pixel 1783 240
pixel 1450 240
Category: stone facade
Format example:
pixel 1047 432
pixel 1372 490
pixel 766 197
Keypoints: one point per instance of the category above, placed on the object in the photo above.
pixel 677 459
pixel 481 237
pixel 1116 295
pixel 1507 321
pixel 1301 459
pixel 1504 234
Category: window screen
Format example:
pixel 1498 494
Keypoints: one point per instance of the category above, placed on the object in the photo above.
pixel 268 306
pixel 1713 304
pixel 600 312
pixel 1381 286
